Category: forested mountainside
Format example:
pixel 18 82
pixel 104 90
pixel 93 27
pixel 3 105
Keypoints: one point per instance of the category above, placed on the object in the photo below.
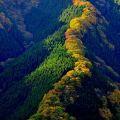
pixel 74 72
pixel 24 22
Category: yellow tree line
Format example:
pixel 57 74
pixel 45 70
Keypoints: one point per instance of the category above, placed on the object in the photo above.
pixel 64 92
pixel 74 36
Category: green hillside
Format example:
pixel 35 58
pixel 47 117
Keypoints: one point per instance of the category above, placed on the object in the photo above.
pixel 72 71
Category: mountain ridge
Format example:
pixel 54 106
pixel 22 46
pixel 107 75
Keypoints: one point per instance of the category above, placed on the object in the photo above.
pixel 76 75
pixel 57 109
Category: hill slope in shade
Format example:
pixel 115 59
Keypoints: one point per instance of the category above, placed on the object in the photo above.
pixel 22 23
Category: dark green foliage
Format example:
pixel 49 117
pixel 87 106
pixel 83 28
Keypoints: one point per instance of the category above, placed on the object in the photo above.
pixel 43 20
pixel 7 41
pixel 27 62
pixel 39 81
pixel 26 22
pixel 42 79
pixel 70 13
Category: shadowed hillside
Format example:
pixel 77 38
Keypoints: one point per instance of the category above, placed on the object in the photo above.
pixel 22 23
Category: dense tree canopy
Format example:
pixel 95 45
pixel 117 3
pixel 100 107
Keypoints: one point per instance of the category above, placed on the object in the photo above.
pixel 72 74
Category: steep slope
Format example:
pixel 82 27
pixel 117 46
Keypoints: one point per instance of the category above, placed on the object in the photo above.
pixel 28 85
pixel 53 105
pixel 24 108
pixel 67 96
pixel 17 69
pixel 22 23
pixel 77 58
pixel 110 33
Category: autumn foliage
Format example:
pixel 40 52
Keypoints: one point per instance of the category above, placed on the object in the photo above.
pixel 64 92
